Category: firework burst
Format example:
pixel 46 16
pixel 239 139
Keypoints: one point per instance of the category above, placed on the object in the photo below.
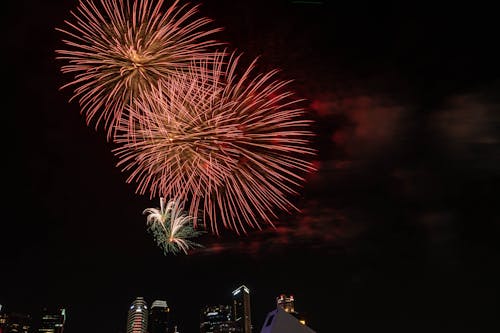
pixel 233 147
pixel 117 51
pixel 171 227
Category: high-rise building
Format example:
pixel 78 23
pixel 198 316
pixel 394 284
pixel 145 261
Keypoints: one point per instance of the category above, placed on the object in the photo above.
pixel 52 321
pixel 137 319
pixel 217 319
pixel 241 309
pixel 287 303
pixel 159 317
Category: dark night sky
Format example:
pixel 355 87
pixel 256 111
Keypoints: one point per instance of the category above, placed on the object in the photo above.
pixel 399 228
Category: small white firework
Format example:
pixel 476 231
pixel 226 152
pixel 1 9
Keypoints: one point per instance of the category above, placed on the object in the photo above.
pixel 171 227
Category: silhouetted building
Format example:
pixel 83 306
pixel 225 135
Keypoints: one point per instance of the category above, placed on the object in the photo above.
pixel 52 321
pixel 159 317
pixel 137 319
pixel 217 319
pixel 280 321
pixel 241 310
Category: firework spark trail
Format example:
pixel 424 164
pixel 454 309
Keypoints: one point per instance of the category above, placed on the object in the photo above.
pixel 171 227
pixel 234 148
pixel 117 52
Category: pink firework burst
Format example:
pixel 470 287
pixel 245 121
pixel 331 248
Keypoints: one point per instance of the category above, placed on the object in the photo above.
pixel 234 148
pixel 117 51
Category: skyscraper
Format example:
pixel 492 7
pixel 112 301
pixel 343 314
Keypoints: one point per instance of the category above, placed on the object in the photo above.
pixel 137 319
pixel 158 317
pixel 286 303
pixel 241 309
pixel 217 319
pixel 52 321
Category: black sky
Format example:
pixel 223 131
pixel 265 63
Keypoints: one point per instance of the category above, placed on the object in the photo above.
pixel 400 226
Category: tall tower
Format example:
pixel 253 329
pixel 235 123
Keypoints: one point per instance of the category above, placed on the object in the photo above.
pixel 241 309
pixel 158 317
pixel 137 319
pixel 52 322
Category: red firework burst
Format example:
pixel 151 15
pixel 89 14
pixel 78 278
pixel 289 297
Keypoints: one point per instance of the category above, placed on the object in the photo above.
pixel 233 147
pixel 118 51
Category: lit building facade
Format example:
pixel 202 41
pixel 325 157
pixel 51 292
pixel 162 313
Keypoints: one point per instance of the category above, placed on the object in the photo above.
pixel 159 317
pixel 137 319
pixel 52 322
pixel 241 310
pixel 287 303
pixel 217 319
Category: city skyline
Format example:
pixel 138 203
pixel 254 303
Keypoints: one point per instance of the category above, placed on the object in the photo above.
pixel 141 316
pixel 397 229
